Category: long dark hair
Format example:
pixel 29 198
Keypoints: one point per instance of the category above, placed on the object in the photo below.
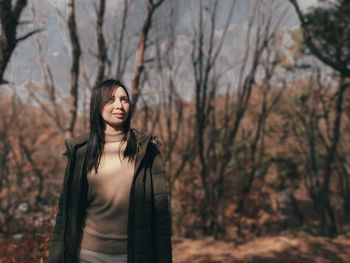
pixel 99 97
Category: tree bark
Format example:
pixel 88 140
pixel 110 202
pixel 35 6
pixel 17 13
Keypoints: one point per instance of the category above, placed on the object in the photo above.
pixel 141 53
pixel 100 43
pixel 9 18
pixel 76 52
pixel 122 58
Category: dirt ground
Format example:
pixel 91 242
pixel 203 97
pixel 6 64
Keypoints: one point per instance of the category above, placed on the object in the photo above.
pixel 263 250
pixel 283 248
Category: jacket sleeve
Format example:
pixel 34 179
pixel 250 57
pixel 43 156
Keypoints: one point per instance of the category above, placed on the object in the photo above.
pixel 160 213
pixel 57 238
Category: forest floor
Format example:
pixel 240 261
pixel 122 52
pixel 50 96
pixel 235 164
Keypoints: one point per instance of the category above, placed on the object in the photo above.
pixel 282 248
pixel 286 249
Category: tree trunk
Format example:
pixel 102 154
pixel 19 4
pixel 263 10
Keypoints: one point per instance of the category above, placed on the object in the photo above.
pixel 100 43
pixel 141 53
pixel 76 51
pixel 9 18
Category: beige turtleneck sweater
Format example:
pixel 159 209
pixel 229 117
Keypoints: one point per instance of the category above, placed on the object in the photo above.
pixel 108 200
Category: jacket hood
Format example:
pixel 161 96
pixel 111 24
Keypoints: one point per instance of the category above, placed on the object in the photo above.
pixel 74 142
pixel 142 138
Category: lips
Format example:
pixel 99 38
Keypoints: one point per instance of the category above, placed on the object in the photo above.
pixel 118 114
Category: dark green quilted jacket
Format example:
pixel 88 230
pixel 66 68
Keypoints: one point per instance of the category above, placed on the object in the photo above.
pixel 148 218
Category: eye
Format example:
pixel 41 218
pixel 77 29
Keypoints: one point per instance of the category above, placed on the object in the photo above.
pixel 124 99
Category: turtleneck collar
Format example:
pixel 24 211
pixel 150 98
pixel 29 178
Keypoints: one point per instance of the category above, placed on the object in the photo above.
pixel 114 136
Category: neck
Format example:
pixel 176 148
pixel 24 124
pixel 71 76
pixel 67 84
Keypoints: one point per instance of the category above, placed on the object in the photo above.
pixel 113 135
pixel 113 129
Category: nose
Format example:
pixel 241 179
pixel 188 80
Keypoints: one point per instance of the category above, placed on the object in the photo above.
pixel 117 104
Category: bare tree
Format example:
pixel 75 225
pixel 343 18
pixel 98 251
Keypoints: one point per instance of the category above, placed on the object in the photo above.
pixel 340 63
pixel 140 60
pixel 122 58
pixel 343 168
pixel 101 46
pixel 20 179
pixel 48 85
pixel 76 52
pixel 205 90
pixel 10 19
pixel 218 138
pixel 172 116
pixel 29 156
pixel 256 148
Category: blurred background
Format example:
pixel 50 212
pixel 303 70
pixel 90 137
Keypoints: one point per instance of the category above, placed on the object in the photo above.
pixel 250 99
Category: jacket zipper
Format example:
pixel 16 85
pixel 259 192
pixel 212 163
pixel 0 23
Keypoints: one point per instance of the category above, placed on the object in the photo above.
pixel 131 206
pixel 131 199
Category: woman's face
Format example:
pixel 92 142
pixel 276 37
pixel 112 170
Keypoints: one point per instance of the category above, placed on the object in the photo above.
pixel 116 110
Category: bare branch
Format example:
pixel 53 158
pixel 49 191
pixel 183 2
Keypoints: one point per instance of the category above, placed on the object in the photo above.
pixel 29 34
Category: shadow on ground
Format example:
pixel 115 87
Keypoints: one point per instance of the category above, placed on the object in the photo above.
pixel 264 250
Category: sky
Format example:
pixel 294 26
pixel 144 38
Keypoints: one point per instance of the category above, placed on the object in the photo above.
pixel 54 39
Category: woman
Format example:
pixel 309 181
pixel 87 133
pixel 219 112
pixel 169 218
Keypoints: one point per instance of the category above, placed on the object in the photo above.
pixel 114 202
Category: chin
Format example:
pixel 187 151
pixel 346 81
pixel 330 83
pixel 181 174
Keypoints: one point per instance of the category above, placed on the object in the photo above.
pixel 119 124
